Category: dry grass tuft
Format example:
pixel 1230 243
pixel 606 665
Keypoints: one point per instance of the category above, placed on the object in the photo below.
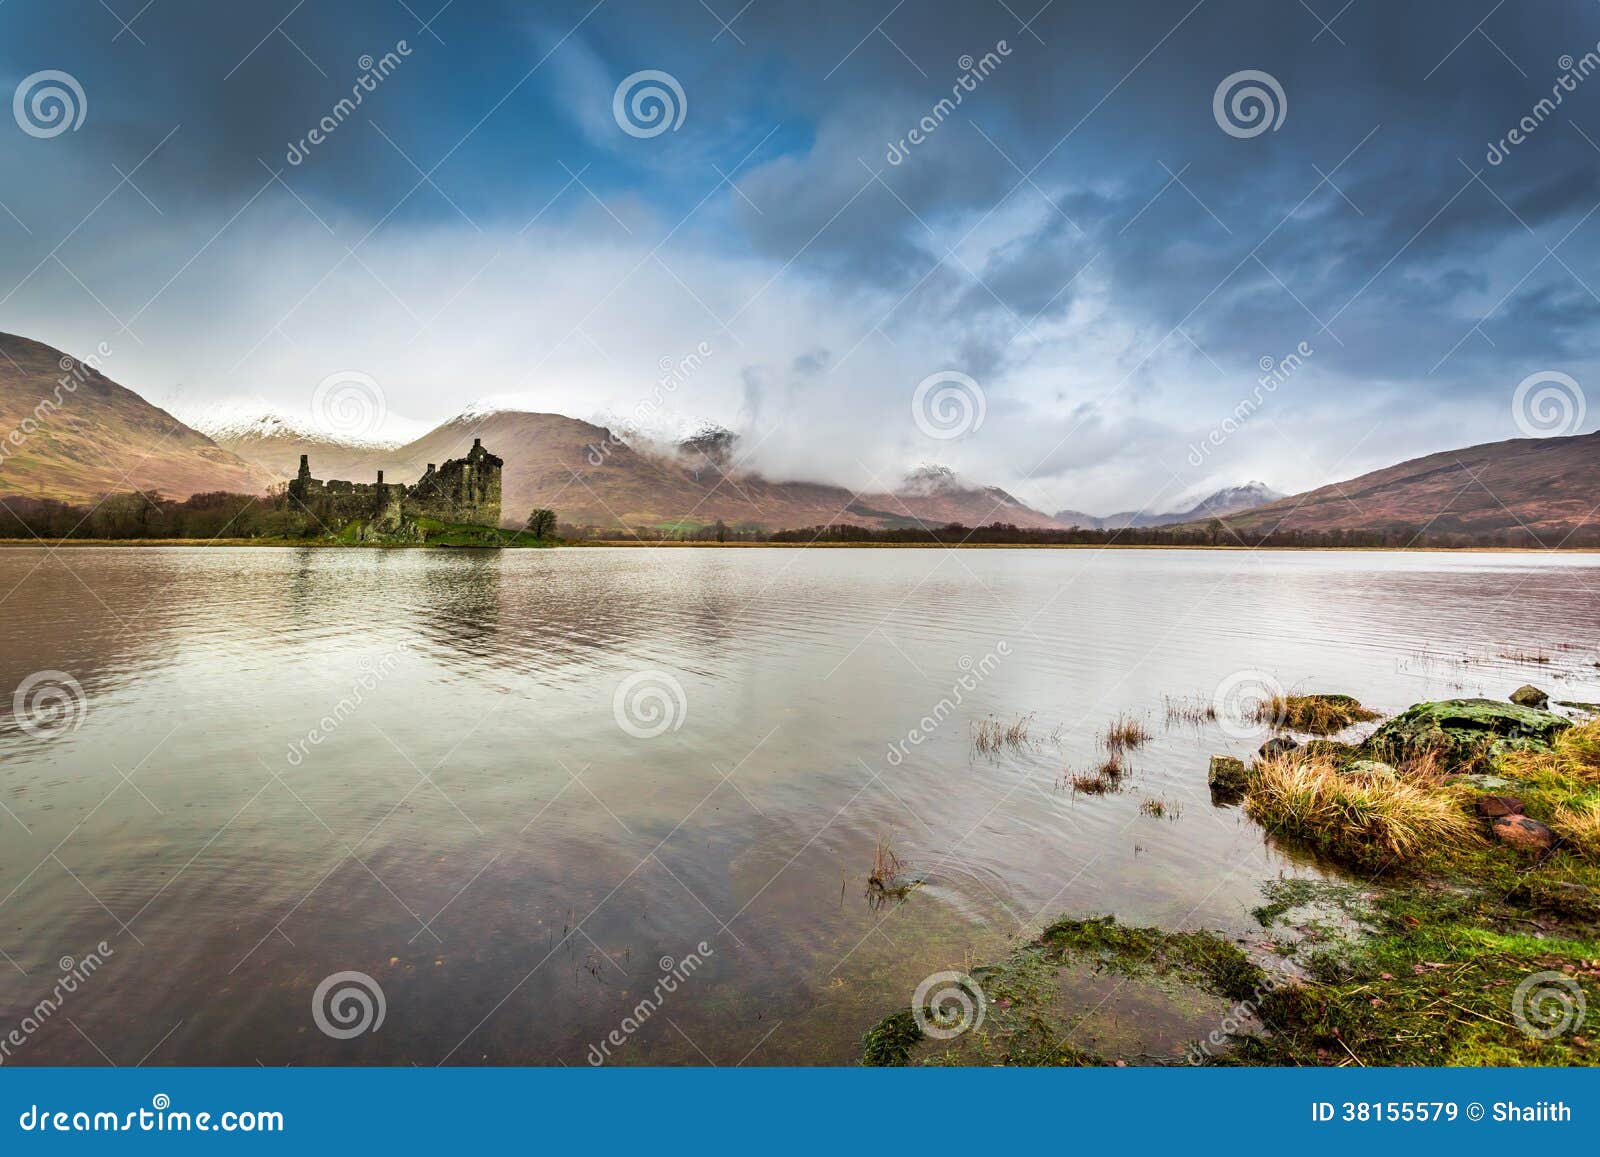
pixel 1367 821
pixel 1157 807
pixel 1124 733
pixel 1573 760
pixel 991 736
pixel 886 868
pixel 1195 710
pixel 1312 714
pixel 1105 777
pixel 1579 826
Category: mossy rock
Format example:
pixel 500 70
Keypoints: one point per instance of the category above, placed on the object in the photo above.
pixel 1465 732
pixel 1226 776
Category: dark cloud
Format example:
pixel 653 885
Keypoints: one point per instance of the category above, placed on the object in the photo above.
pixel 1078 233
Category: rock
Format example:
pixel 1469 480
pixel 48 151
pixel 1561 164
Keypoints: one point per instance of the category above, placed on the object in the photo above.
pixel 1226 776
pixel 1530 696
pixel 1494 806
pixel 1465 732
pixel 1369 770
pixel 1482 781
pixel 1579 705
pixel 1276 746
pixel 1521 832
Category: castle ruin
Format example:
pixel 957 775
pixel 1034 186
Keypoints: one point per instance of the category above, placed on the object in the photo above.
pixel 459 490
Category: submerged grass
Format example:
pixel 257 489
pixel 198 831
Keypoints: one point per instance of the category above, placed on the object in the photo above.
pixel 1453 949
pixel 1194 710
pixel 1159 807
pixel 1103 778
pixel 1312 714
pixel 1366 820
pixel 1124 733
pixel 992 736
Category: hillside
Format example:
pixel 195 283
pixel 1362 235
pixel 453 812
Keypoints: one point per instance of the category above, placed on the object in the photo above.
pixel 1229 500
pixel 593 479
pixel 1543 484
pixel 69 432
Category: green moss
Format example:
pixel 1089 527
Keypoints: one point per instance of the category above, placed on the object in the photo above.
pixel 1201 957
pixel 890 1041
pixel 1466 733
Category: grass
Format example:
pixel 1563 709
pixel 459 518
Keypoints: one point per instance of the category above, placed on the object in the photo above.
pixel 1433 982
pixel 1517 655
pixel 886 867
pixel 1124 733
pixel 1103 778
pixel 1579 826
pixel 1312 714
pixel 1366 821
pixel 1202 957
pixel 1427 959
pixel 1196 711
pixel 991 736
pixel 1157 807
pixel 890 1041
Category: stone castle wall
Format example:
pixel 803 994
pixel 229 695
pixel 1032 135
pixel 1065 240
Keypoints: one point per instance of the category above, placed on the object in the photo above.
pixel 460 490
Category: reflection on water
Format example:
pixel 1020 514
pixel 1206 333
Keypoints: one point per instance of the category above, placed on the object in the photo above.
pixel 409 764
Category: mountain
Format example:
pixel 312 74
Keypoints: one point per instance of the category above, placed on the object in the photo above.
pixel 590 477
pixel 1229 500
pixel 1543 484
pixel 67 431
pixel 273 439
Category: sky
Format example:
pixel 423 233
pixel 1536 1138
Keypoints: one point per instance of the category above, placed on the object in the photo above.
pixel 1073 282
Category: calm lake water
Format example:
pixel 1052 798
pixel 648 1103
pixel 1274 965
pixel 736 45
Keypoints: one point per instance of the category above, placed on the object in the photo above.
pixel 441 769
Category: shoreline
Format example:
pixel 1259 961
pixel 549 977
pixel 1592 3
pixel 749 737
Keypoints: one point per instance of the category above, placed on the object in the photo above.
pixel 324 544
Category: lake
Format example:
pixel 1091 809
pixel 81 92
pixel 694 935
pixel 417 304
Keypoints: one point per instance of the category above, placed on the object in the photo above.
pixel 519 791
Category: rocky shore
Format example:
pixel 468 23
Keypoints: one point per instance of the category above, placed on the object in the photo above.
pixel 1460 924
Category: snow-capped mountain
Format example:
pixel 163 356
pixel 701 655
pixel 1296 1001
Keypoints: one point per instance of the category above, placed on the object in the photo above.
pixel 1228 500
